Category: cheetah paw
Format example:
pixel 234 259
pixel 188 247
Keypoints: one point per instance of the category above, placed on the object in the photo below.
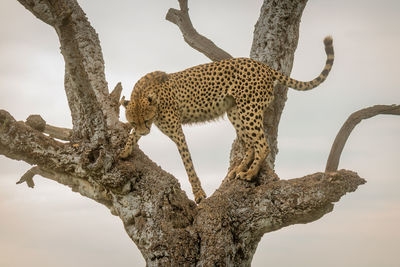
pixel 199 196
pixel 125 153
pixel 246 176
pixel 232 174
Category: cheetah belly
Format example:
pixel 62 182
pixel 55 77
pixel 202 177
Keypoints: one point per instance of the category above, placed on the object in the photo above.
pixel 195 110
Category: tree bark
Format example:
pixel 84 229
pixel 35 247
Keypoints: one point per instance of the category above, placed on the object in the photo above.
pixel 167 227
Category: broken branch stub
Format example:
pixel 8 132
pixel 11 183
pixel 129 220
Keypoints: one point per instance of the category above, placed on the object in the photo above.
pixel 38 123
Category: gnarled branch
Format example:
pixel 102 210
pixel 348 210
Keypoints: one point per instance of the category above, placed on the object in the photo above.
pixel 191 36
pixel 21 142
pixel 344 132
pixel 85 188
pixel 241 213
pixel 168 228
pixel 85 84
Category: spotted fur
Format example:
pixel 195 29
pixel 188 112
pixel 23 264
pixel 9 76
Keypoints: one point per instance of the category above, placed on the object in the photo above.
pixel 240 87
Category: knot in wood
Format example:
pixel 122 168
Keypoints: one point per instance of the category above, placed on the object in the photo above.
pixel 36 122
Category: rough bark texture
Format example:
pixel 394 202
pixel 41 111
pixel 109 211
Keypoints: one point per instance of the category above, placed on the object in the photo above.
pixel 336 151
pixel 168 228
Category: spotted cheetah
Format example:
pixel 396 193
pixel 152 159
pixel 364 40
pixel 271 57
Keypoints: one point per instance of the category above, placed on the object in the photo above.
pixel 241 87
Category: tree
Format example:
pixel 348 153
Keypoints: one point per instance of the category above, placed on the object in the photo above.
pixel 238 214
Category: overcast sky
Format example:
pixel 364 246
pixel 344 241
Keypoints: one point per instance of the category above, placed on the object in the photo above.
pixel 52 226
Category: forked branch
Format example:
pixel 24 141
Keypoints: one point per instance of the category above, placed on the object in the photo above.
pixel 85 84
pixel 343 134
pixel 168 228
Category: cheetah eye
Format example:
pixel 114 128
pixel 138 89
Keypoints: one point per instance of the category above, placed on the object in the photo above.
pixel 125 103
pixel 146 122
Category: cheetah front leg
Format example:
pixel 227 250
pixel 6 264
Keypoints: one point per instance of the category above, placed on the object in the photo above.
pixel 130 143
pixel 175 132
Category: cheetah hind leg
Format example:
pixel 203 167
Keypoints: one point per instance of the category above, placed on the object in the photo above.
pixel 261 151
pixel 236 170
pixel 234 117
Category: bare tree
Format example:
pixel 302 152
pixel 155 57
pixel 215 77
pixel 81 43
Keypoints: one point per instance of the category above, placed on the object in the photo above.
pixel 167 227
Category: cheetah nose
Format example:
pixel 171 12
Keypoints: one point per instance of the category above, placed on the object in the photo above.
pixel 144 131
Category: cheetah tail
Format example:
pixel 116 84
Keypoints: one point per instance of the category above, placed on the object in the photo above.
pixel 303 86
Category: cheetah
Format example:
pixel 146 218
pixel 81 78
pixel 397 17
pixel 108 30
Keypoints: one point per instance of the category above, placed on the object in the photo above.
pixel 240 87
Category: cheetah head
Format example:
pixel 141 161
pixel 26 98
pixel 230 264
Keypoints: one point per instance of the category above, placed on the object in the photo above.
pixel 142 109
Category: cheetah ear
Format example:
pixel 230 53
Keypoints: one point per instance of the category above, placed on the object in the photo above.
pixel 124 102
pixel 152 98
pixel 160 76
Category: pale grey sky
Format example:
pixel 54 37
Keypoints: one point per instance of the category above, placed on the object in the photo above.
pixel 52 226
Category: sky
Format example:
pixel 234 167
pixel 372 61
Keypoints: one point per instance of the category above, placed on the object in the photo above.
pixel 52 226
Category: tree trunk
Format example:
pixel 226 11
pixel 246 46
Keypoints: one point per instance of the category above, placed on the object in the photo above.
pixel 275 39
pixel 167 227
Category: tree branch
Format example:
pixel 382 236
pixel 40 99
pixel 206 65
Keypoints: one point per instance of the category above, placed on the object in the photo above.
pixel 191 36
pixel 85 83
pixel 90 190
pixel 40 9
pixel 58 132
pixel 55 160
pixel 156 212
pixel 21 142
pixel 240 213
pixel 95 117
pixel 115 97
pixel 38 123
pixel 344 132
pixel 28 177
